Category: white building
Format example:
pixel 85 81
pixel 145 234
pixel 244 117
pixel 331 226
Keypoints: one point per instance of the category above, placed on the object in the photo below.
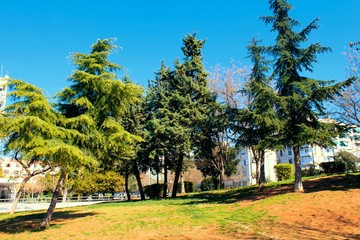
pixel 314 155
pixel 247 167
pixel 3 91
pixel 13 174
pixel 310 155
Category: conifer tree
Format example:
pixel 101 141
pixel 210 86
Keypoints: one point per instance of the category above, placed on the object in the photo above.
pixel 96 102
pixel 134 122
pixel 214 154
pixel 24 126
pixel 159 142
pixel 34 132
pixel 190 102
pixel 179 100
pixel 301 99
pixel 257 124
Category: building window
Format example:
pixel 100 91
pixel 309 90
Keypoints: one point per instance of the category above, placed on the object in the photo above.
pixel 290 160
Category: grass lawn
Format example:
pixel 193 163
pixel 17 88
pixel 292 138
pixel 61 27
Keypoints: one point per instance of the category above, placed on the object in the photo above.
pixel 244 213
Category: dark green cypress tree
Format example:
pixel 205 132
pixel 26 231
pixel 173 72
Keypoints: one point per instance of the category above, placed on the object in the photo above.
pixel 301 99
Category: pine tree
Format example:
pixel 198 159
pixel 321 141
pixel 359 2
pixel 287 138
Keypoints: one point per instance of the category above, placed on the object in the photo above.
pixel 178 102
pixel 257 124
pixel 159 142
pixel 134 123
pixel 191 100
pixel 34 133
pixel 302 98
pixel 96 102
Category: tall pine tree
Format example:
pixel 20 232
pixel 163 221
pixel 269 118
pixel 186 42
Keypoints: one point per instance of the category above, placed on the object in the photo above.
pixel 180 100
pixel 97 100
pixel 301 98
pixel 257 124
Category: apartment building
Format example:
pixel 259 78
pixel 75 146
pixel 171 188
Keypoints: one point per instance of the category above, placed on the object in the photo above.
pixel 247 167
pixel 310 155
pixel 12 176
pixel 349 142
pixel 3 91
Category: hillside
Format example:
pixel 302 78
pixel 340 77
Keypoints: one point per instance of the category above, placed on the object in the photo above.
pixel 329 209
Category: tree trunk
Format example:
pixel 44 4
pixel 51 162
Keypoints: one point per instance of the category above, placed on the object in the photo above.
pixel 182 184
pixel 138 180
pixel 127 185
pixel 46 220
pixel 222 174
pixel 65 192
pixel 177 175
pixel 298 186
pixel 165 178
pixel 262 169
pixel 18 194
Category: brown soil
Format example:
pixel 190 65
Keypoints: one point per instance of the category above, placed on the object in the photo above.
pixel 328 209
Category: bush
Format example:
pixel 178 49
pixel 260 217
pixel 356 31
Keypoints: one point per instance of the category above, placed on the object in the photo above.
pixel 154 190
pixel 350 159
pixel 284 171
pixel 310 170
pixel 209 184
pixel 189 187
pixel 333 167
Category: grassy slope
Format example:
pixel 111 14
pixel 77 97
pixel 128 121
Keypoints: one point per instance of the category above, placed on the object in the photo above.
pixel 225 214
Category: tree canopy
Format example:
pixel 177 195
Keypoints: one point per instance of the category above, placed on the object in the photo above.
pixel 301 99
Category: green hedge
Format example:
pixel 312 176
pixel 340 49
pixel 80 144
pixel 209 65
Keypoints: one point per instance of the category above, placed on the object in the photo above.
pixel 189 187
pixel 154 190
pixel 209 184
pixel 284 171
pixel 333 167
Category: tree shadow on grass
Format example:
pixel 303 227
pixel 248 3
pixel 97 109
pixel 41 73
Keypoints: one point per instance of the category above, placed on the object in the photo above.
pixel 302 231
pixel 31 222
pixel 252 193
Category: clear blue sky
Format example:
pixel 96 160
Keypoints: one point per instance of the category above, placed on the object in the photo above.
pixel 36 37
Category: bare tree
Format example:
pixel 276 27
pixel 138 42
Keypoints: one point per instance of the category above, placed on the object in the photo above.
pixel 228 84
pixel 348 102
pixel 36 185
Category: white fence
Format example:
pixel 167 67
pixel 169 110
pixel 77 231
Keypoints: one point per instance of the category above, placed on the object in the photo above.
pixel 27 204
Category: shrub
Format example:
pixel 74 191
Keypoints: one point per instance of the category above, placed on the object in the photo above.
pixel 154 190
pixel 209 184
pixel 350 159
pixel 310 170
pixel 189 187
pixel 284 171
pixel 333 167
